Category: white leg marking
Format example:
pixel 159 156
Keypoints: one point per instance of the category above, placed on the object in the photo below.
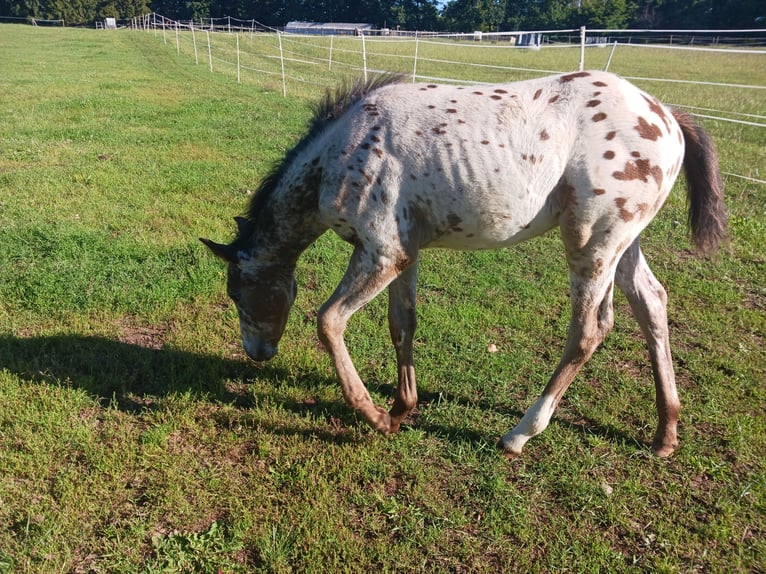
pixel 534 421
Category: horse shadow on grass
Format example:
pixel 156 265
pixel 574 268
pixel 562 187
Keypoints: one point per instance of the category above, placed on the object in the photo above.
pixel 132 377
pixel 118 373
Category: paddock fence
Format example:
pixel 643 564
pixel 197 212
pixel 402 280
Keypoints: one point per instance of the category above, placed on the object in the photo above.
pixel 716 75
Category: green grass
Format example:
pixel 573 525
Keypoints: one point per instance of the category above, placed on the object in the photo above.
pixel 135 436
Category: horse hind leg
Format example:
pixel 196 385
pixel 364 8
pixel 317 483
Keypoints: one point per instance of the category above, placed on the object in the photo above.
pixel 402 322
pixel 592 318
pixel 648 300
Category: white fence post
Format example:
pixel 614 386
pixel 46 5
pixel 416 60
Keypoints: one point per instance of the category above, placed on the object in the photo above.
pixel 178 46
pixel 582 48
pixel 194 41
pixel 609 61
pixel 209 51
pixel 282 60
pixel 415 65
pixel 364 56
pixel 331 38
pixel 238 75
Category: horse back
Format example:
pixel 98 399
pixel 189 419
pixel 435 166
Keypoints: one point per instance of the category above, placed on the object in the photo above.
pixel 487 166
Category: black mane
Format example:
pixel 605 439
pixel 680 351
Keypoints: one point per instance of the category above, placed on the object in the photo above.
pixel 330 107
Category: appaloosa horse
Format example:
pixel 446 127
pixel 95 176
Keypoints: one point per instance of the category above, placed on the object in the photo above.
pixel 394 168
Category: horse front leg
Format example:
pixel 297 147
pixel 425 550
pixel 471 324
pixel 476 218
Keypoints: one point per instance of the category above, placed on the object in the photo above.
pixel 648 300
pixel 402 322
pixel 365 278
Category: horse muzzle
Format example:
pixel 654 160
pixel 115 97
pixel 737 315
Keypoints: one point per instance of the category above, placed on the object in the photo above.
pixel 260 351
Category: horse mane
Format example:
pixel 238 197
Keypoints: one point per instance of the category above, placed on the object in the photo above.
pixel 330 107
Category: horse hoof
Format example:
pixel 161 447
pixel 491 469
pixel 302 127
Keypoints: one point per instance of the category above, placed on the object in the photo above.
pixel 506 451
pixel 381 421
pixel 663 450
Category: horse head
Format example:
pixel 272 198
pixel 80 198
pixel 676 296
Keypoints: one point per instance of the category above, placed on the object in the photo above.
pixel 263 291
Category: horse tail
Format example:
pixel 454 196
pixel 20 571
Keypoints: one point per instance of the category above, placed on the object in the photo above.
pixel 704 186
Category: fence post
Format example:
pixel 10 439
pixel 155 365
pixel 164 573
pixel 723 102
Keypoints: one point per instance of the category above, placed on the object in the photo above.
pixel 178 46
pixel 415 65
pixel 238 76
pixel 331 38
pixel 194 41
pixel 282 60
pixel 582 48
pixel 209 51
pixel 364 56
pixel 609 61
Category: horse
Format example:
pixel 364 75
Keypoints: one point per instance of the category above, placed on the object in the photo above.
pixel 395 167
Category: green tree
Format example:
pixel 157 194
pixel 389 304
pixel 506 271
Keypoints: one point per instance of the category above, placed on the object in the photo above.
pixel 604 13
pixel 471 15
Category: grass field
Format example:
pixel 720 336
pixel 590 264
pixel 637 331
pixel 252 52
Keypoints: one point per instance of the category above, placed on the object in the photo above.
pixel 136 437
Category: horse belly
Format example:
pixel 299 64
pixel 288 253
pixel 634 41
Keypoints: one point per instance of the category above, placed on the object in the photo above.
pixel 488 228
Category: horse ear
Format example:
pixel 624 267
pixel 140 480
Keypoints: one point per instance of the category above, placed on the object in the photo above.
pixel 243 225
pixel 225 252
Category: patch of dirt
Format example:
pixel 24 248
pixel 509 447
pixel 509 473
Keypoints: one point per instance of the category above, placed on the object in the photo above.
pixel 146 336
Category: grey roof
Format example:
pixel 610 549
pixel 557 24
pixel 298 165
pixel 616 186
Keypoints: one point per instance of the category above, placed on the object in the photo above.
pixel 295 24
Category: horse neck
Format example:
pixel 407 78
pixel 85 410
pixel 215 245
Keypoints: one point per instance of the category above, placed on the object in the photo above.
pixel 289 223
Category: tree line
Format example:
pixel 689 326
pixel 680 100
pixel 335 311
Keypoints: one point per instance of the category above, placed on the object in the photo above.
pixel 452 15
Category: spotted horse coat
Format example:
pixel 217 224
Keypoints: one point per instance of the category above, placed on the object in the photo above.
pixel 394 168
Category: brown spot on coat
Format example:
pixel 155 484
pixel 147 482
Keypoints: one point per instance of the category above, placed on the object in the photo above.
pixel 538 93
pixel 377 151
pixel 640 169
pixel 610 135
pixel 573 76
pixel 599 191
pixel 609 154
pixel 496 97
pixel 451 111
pixel 625 215
pixel 600 84
pixel 544 135
pixel 593 103
pixel 648 131
pixel 454 220
pixel 599 117
pixel 553 99
pixel 500 91
pixel 657 108
pixel 484 142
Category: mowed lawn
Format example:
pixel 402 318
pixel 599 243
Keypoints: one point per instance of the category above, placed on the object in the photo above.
pixel 135 436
